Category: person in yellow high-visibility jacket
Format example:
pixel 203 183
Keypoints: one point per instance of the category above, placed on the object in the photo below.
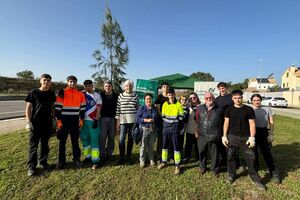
pixel 172 112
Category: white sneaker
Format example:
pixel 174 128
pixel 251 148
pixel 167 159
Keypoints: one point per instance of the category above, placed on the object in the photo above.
pixel 142 164
pixel 152 163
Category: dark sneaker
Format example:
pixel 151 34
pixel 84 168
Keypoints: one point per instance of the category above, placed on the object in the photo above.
pixel 216 174
pixel 121 161
pixel 60 165
pixel 31 172
pixel 129 161
pixel 202 171
pixel 45 167
pixel 86 161
pixel 276 178
pixel 260 186
pixel 230 180
pixel 78 163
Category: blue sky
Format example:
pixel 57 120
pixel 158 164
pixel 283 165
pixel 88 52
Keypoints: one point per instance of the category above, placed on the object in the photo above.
pixel 232 39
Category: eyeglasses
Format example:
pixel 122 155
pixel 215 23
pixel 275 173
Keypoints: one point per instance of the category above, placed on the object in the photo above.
pixel 193 97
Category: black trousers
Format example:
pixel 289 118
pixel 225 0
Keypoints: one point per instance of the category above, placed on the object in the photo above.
pixel 190 142
pixel 204 146
pixel 261 139
pixel 41 132
pixel 159 140
pixel 236 143
pixel 69 127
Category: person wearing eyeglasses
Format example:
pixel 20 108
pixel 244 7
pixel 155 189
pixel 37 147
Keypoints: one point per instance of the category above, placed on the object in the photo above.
pixel 208 127
pixel 191 129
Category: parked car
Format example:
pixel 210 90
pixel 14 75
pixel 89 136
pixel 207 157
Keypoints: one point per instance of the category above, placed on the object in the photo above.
pixel 274 101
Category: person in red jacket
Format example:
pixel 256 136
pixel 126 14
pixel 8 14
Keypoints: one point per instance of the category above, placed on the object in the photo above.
pixel 69 111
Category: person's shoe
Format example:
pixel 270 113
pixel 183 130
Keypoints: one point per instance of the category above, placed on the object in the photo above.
pixel 109 158
pixel 216 174
pixel 31 172
pixel 171 161
pixel 142 164
pixel 121 161
pixel 95 166
pixel 45 167
pixel 152 163
pixel 185 160
pixel 177 170
pixel 202 171
pixel 161 165
pixel 60 165
pixel 86 161
pixel 78 163
pixel 230 180
pixel 260 186
pixel 276 178
pixel 129 161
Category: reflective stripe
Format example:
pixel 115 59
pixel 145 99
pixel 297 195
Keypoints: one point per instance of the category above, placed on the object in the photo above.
pixel 82 104
pixel 69 113
pixel 95 153
pixel 58 108
pixel 87 151
pixel 170 117
pixel 177 157
pixel 164 155
pixel 71 107
pixel 58 104
pixel 170 121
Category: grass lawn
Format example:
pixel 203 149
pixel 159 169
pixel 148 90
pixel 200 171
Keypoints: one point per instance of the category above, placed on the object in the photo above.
pixel 130 182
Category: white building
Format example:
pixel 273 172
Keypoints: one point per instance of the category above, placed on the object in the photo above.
pixel 261 84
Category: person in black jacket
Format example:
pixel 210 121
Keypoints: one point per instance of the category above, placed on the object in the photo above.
pixel 209 126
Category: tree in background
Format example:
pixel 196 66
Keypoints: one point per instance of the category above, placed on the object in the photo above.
pixel 239 86
pixel 111 61
pixel 25 75
pixel 202 76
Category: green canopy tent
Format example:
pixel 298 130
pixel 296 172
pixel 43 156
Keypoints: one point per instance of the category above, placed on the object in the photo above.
pixel 177 81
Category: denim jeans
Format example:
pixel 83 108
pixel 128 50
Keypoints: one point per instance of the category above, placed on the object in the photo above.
pixel 107 136
pixel 125 128
pixel 147 144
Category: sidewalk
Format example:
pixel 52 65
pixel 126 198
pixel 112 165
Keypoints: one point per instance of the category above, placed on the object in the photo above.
pixel 10 125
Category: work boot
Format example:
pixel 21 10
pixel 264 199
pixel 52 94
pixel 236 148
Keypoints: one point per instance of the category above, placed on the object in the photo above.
pixel 230 180
pixel 202 171
pixel 142 164
pixel 161 165
pixel 177 170
pixel 152 163
pixel 78 163
pixel 31 172
pixel 276 178
pixel 259 185
pixel 60 165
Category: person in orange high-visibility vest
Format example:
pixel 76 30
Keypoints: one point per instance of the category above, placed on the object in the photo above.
pixel 69 111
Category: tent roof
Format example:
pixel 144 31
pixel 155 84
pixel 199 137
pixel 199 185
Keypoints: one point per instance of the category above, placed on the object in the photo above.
pixel 177 81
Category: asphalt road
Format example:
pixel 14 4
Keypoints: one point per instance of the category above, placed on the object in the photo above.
pixel 12 109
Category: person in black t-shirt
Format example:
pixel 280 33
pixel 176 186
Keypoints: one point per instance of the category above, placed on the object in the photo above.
pixel 160 100
pixel 39 116
pixel 107 120
pixel 239 126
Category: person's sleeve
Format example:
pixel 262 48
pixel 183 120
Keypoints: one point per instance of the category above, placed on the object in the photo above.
pixel 227 112
pixel 82 106
pixel 139 115
pixel 99 101
pixel 58 106
pixel 118 107
pixel 53 97
pixel 181 112
pixel 29 97
pixel 251 113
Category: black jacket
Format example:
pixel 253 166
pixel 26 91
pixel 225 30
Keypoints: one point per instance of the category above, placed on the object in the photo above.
pixel 209 122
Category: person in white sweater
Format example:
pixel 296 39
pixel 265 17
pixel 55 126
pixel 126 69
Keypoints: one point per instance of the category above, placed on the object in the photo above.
pixel 127 106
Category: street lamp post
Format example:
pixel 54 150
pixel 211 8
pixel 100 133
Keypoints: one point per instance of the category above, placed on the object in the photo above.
pixel 292 96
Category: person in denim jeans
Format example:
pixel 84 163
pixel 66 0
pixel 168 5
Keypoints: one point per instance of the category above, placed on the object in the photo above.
pixel 147 117
pixel 127 106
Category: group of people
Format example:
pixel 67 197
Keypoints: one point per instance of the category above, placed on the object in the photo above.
pixel 222 126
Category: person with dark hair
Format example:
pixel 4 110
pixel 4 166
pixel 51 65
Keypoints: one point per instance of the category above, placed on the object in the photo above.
pixel 127 106
pixel 239 133
pixel 90 132
pixel 208 127
pixel 147 117
pixel 108 114
pixel 159 101
pixel 69 111
pixel 223 101
pixel 172 112
pixel 39 121
pixel 264 135
pixel 191 128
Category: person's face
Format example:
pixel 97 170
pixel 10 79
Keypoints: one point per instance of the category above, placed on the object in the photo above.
pixel 128 88
pixel 209 99
pixel 256 101
pixel 171 97
pixel 165 88
pixel 194 99
pixel 183 101
pixel 237 99
pixel 107 87
pixel 88 88
pixel 72 83
pixel 223 90
pixel 45 82
pixel 148 100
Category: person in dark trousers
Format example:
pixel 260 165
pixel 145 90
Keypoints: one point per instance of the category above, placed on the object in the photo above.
pixel 182 123
pixel 223 101
pixel 209 126
pixel 264 135
pixel 39 122
pixel 70 107
pixel 159 101
pixel 239 133
pixel 191 129
pixel 108 121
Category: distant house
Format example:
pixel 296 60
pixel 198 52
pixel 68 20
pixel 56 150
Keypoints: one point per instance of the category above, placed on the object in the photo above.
pixel 290 79
pixel 261 84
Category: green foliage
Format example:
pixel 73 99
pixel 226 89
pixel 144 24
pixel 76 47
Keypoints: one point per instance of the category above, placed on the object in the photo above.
pixel 25 75
pixel 111 61
pixel 111 181
pixel 274 88
pixel 202 76
pixel 239 86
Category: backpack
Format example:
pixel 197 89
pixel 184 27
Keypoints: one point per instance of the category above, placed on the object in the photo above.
pixel 137 133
